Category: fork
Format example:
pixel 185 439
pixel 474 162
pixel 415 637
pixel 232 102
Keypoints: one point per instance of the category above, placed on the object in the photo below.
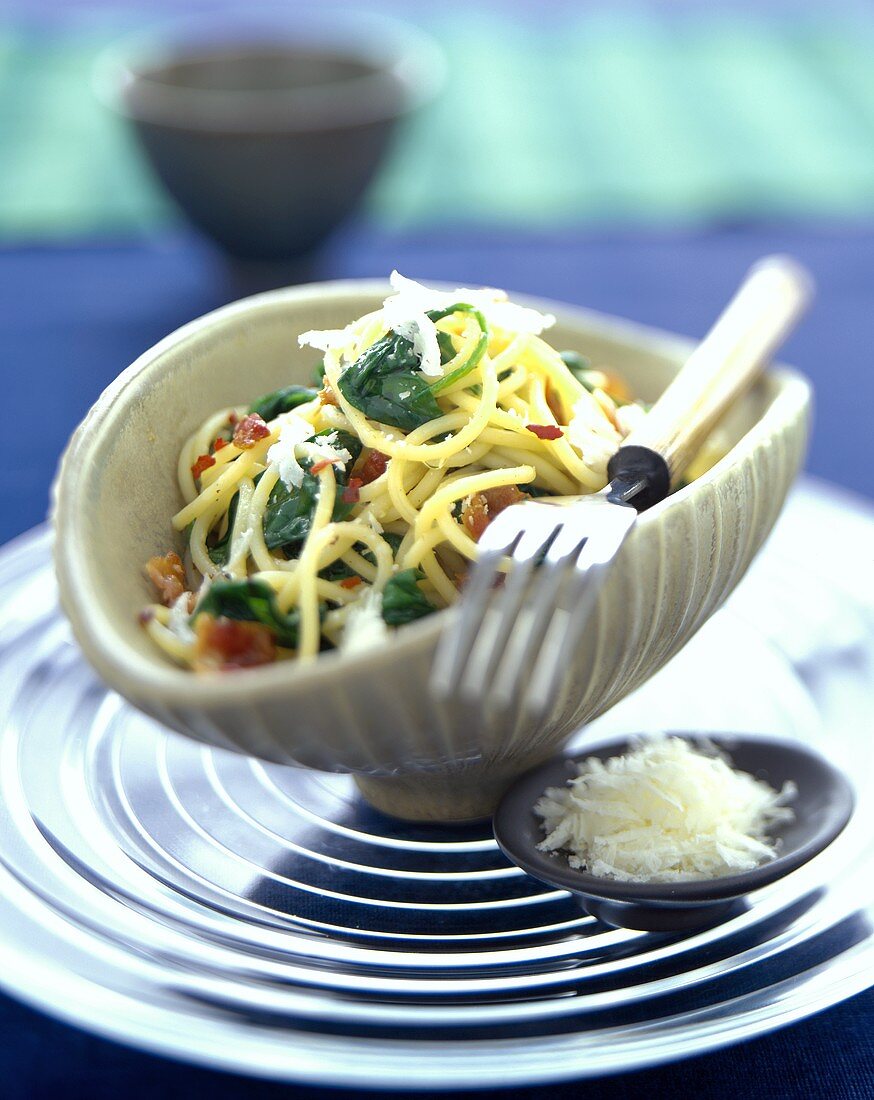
pixel 508 643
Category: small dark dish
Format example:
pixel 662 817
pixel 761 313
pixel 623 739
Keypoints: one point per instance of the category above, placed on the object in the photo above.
pixel 822 806
pixel 268 134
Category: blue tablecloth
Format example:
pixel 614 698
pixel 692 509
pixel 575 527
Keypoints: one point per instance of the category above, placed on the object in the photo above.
pixel 71 318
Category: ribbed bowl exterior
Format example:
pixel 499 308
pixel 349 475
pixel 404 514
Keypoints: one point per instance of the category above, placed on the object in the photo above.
pixel 373 714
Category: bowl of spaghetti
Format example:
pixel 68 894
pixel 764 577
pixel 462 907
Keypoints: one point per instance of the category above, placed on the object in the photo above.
pixel 263 523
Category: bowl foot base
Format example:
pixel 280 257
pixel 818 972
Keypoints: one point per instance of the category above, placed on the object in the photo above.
pixel 445 797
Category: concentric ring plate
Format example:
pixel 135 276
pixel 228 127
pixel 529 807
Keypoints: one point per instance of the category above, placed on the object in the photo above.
pixel 260 919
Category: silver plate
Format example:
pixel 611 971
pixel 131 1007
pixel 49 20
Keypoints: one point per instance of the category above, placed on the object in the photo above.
pixel 260 919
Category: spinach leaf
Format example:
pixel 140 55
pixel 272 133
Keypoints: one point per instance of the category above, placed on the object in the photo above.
pixel 271 405
pixel 479 348
pixel 385 385
pixel 220 550
pixel 250 601
pixel 579 366
pixel 338 570
pixel 394 542
pixel 447 348
pixel 345 441
pixel 289 512
pixel 318 375
pixel 402 599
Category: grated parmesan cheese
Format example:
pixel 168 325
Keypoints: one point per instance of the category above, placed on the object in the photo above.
pixel 364 625
pixel 664 812
pixel 293 431
pixel 406 313
pixel 329 339
pixel 178 621
pixel 591 433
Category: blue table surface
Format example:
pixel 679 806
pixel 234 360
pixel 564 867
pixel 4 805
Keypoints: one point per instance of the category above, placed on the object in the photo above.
pixel 72 317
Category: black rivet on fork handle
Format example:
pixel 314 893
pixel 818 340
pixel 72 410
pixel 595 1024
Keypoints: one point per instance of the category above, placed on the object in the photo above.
pixel 638 476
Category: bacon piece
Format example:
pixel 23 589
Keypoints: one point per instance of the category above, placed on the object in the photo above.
pixel 553 399
pixel 249 430
pixel 167 574
pixel 327 395
pixel 226 644
pixel 203 463
pixel 322 464
pixel 374 466
pixel 219 443
pixel 350 582
pixel 545 431
pixel 481 508
pixel 475 515
pixel 352 493
pixel 233 420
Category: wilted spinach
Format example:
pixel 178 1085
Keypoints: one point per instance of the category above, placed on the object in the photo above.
pixel 479 348
pixel 338 570
pixel 579 366
pixel 386 385
pixel 220 550
pixel 447 348
pixel 289 512
pixel 250 601
pixel 403 600
pixel 271 405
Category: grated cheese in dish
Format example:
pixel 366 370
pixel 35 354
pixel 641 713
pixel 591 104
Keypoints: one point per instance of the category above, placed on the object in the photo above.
pixel 664 812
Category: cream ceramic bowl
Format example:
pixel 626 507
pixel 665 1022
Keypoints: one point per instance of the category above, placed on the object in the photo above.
pixel 371 714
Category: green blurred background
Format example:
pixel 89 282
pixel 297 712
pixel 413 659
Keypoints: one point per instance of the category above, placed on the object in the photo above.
pixel 665 114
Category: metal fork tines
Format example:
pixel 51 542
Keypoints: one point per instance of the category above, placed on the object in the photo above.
pixel 527 601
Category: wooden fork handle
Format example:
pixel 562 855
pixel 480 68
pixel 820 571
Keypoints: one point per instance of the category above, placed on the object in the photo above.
pixel 754 324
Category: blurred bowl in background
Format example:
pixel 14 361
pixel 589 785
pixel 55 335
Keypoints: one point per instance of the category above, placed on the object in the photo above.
pixel 268 132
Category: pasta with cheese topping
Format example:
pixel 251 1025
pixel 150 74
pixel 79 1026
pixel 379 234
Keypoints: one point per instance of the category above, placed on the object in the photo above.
pixel 320 517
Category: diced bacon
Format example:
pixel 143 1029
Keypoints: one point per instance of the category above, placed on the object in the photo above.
pixel 553 400
pixel 481 508
pixel 502 497
pixel 203 463
pixel 233 420
pixel 327 395
pixel 545 431
pixel 374 466
pixel 249 430
pixel 219 443
pixel 350 582
pixel 475 515
pixel 167 574
pixel 352 493
pixel 223 645
pixel 322 464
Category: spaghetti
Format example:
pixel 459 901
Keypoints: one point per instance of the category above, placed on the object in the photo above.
pixel 319 518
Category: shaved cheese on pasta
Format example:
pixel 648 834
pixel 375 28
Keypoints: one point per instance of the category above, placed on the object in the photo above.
pixel 364 626
pixel 412 298
pixel 323 448
pixel 592 434
pixel 326 339
pixel 628 417
pixel 177 620
pixel 294 430
pixel 664 812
